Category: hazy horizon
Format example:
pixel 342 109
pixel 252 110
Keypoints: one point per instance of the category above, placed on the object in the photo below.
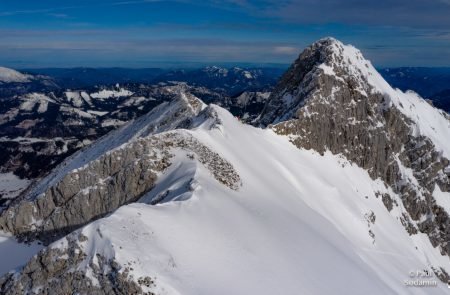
pixel 190 66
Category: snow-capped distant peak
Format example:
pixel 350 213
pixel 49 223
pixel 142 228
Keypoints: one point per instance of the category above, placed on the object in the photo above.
pixel 10 76
pixel 104 94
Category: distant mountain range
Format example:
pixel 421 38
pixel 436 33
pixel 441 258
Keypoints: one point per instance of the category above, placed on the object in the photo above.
pixel 430 83
pixel 232 81
pixel 48 114
pixel 425 81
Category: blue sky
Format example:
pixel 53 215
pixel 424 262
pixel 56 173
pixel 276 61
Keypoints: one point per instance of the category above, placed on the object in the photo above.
pixel 145 33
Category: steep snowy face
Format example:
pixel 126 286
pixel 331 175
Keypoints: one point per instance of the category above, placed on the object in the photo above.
pixel 10 76
pixel 332 99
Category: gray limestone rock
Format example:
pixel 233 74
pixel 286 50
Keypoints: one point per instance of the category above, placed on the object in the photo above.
pixel 342 113
pixel 55 271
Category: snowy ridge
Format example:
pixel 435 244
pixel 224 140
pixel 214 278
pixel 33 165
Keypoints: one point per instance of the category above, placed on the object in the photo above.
pixel 316 221
pixel 164 117
pixel 17 253
pixel 32 99
pixel 104 94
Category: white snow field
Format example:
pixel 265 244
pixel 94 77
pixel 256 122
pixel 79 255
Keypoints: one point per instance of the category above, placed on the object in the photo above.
pixel 299 224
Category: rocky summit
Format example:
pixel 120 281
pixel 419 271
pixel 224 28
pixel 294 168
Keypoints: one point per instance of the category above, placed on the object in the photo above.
pixel 332 99
pixel 339 177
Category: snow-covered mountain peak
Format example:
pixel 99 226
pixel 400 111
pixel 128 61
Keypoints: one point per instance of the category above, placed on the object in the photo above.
pixel 346 62
pixel 9 76
pixel 328 67
pixel 332 99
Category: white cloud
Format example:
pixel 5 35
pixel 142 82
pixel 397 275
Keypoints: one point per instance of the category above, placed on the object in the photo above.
pixel 286 50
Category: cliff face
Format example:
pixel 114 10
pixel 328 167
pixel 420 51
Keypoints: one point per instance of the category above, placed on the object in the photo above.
pixel 332 99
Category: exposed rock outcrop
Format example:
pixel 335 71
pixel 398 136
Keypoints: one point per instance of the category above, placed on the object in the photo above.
pixel 325 102
pixel 61 271
pixel 114 172
pixel 119 177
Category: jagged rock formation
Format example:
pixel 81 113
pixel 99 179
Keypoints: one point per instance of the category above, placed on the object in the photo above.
pixel 85 194
pixel 247 106
pixel 329 100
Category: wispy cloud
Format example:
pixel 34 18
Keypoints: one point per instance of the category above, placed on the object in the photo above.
pixel 63 8
pixel 409 13
pixel 32 11
pixel 59 15
pixel 288 50
pixel 391 31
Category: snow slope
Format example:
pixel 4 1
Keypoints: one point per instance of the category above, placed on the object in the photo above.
pixel 300 223
pixel 32 99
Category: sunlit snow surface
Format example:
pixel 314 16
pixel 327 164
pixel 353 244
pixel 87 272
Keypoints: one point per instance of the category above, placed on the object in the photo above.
pixel 297 225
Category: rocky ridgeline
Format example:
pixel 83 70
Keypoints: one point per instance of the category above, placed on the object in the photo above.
pixel 324 103
pixel 117 177
pixel 220 168
pixel 39 130
pixel 121 176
